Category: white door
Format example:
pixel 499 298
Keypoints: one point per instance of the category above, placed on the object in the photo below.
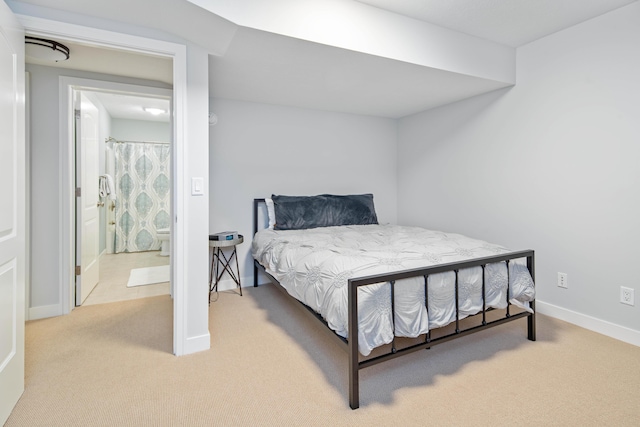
pixel 87 213
pixel 12 211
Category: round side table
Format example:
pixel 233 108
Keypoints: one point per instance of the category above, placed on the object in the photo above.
pixel 221 264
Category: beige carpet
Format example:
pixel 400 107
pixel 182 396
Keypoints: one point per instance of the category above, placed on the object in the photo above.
pixel 111 365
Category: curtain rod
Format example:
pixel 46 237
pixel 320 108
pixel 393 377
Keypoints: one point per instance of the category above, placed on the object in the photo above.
pixel 112 139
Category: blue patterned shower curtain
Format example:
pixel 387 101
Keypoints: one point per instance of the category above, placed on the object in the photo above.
pixel 142 199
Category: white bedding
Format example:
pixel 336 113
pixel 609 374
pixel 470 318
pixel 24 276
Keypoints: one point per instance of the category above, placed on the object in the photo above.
pixel 314 265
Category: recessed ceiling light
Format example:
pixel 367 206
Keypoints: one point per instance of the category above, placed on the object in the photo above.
pixel 154 111
pixel 45 49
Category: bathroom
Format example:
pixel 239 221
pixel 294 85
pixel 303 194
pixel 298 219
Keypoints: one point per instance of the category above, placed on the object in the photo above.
pixel 134 169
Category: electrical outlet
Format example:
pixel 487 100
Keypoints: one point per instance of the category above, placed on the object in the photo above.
pixel 626 296
pixel 563 281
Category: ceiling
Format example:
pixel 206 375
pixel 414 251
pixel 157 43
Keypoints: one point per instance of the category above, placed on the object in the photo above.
pixel 269 68
pixel 114 62
pixel 508 22
pixel 263 66
pixel 120 63
pixel 132 107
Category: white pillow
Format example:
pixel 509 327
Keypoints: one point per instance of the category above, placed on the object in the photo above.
pixel 271 213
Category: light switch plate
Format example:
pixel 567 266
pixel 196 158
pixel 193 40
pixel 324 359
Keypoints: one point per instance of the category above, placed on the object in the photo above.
pixel 197 186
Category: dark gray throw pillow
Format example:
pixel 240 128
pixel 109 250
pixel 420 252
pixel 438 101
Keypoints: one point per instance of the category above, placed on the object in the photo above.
pixel 325 210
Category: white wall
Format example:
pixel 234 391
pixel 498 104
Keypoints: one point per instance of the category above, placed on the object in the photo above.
pixel 257 150
pixel 45 183
pixel 550 164
pixel 195 217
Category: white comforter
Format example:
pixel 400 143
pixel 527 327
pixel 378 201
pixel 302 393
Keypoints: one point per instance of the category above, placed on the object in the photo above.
pixel 314 266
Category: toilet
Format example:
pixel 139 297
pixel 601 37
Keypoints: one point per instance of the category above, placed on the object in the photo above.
pixel 163 236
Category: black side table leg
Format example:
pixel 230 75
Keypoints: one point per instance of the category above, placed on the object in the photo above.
pixel 237 270
pixel 211 273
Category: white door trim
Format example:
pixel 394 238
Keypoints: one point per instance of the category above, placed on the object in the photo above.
pixel 178 52
pixel 66 87
pixel 27 187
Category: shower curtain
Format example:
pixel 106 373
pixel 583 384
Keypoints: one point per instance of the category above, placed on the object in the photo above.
pixel 142 201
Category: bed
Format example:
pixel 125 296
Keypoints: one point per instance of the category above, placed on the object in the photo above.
pixel 398 287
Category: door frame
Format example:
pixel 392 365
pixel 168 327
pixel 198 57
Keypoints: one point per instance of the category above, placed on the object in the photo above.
pixel 84 280
pixel 13 246
pixel 66 87
pixel 178 52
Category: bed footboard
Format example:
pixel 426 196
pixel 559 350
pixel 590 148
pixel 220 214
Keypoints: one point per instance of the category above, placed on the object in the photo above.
pixel 355 365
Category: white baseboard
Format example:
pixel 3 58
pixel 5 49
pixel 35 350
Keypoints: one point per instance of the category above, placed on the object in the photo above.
pixel 196 344
pixel 609 329
pixel 227 284
pixel 44 311
pixel 603 327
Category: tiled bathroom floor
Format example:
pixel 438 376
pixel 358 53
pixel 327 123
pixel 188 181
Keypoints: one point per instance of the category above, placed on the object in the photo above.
pixel 114 275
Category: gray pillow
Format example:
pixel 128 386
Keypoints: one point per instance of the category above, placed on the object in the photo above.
pixel 325 210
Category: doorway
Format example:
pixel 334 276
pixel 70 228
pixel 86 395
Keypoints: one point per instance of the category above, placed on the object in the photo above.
pixel 123 169
pixel 183 209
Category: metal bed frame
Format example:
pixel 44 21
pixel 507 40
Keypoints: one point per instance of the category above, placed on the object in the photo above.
pixel 351 344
